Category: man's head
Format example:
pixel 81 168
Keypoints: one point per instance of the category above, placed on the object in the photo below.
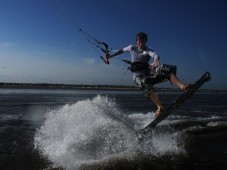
pixel 142 36
pixel 141 39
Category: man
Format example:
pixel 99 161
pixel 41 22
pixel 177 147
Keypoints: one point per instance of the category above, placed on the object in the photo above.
pixel 145 75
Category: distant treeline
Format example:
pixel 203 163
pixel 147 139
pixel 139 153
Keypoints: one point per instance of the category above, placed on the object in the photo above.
pixel 63 86
pixel 86 87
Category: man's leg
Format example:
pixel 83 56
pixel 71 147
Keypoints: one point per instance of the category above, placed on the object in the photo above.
pixel 175 80
pixel 150 93
pixel 154 97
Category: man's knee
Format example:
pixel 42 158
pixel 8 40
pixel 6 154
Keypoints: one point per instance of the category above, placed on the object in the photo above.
pixel 149 91
pixel 145 85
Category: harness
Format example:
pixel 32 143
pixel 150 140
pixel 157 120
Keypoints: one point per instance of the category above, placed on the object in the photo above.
pixel 138 66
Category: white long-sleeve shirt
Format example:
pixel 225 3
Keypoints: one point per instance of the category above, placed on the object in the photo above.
pixel 139 55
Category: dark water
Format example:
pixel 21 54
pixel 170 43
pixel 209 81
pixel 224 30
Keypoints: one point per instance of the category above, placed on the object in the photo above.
pixel 52 129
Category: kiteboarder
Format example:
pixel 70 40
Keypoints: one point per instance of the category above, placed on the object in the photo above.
pixel 145 75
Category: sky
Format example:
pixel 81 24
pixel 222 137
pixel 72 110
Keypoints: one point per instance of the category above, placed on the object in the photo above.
pixel 40 40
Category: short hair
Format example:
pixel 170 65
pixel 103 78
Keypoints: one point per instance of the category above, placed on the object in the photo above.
pixel 142 35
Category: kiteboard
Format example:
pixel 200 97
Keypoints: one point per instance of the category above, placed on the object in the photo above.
pixel 181 99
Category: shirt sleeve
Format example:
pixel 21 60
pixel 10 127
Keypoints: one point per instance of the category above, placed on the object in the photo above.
pixel 127 49
pixel 153 54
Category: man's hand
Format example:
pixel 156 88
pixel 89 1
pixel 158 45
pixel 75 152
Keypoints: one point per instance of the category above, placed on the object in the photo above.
pixel 108 56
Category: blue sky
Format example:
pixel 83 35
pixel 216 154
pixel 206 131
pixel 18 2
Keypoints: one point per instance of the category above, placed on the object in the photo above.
pixel 40 41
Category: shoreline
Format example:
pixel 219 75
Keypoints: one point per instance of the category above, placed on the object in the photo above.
pixel 87 87
pixel 65 86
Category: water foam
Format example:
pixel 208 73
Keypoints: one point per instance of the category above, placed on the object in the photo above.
pixel 95 130
pixel 83 132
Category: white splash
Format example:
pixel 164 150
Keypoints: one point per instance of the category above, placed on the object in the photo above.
pixel 83 132
pixel 91 131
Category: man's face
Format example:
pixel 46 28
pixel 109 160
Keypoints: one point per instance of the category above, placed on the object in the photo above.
pixel 141 42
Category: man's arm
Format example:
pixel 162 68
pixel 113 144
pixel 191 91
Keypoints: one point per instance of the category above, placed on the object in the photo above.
pixel 121 51
pixel 108 56
pixel 155 62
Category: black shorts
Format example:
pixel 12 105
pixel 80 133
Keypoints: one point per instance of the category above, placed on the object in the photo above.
pixel 157 75
pixel 161 73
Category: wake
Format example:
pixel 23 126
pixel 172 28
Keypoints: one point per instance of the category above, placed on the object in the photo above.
pixel 95 130
pixel 83 132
